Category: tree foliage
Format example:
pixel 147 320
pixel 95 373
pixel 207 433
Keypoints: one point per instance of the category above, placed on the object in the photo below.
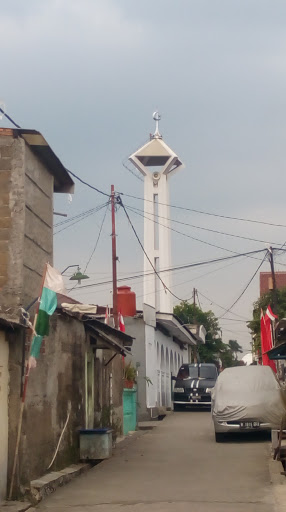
pixel 214 348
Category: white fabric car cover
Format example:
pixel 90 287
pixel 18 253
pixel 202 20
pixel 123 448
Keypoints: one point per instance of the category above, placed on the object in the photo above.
pixel 248 393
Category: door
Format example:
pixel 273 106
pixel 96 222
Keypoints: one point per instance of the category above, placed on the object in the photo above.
pixel 89 389
pixel 4 356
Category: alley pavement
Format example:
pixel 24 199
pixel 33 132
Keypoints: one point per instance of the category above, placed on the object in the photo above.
pixel 176 467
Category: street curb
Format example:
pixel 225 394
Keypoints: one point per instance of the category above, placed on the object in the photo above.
pixel 47 484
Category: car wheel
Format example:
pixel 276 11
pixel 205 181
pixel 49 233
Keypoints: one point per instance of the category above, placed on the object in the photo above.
pixel 219 437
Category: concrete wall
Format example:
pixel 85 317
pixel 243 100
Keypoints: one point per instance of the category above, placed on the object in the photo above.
pixel 12 219
pixel 38 234
pixel 26 224
pixel 55 386
pixel 107 390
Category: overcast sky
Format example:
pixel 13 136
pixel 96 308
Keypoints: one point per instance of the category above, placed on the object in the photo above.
pixel 88 75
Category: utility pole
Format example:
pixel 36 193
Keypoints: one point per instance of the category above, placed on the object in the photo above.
pixel 114 259
pixel 194 296
pixel 274 288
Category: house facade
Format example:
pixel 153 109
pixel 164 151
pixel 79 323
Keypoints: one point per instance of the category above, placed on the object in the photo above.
pixel 29 175
pixel 160 347
pixel 79 374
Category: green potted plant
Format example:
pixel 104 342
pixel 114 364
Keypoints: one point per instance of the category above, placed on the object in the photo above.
pixel 130 374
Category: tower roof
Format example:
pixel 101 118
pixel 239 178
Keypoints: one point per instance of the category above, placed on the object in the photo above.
pixel 156 153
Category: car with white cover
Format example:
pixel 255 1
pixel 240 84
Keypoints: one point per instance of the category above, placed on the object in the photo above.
pixel 245 399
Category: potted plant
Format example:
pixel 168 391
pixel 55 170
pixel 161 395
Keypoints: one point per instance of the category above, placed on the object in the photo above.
pixel 130 374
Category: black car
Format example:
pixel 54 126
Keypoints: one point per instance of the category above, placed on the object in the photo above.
pixel 193 385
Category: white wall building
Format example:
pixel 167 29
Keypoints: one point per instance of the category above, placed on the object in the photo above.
pixel 157 163
pixel 161 341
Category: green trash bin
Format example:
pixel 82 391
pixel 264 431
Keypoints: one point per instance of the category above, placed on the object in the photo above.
pixel 129 410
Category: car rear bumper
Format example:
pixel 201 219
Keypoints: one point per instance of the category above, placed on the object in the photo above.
pixel 224 427
pixel 193 402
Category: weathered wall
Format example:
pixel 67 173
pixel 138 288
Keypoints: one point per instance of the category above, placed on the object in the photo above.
pixel 26 224
pixel 38 234
pixel 55 386
pixel 12 219
pixel 102 382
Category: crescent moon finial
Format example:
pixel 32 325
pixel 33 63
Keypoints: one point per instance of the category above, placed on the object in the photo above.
pixel 157 117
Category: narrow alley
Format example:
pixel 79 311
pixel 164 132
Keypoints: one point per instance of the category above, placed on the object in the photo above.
pixel 175 467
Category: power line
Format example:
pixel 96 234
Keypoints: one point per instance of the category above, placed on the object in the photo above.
pixel 200 227
pixel 87 184
pixel 96 243
pixel 70 172
pixel 191 280
pixel 244 290
pixel 146 255
pixel 196 292
pixel 82 218
pixel 77 216
pixel 221 307
pixel 144 199
pixel 207 213
pixel 180 267
pixel 9 118
pixel 184 234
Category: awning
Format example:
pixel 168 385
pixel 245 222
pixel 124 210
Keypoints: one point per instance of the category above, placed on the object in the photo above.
pixel 278 352
pixel 109 338
pixel 175 329
pixel 105 336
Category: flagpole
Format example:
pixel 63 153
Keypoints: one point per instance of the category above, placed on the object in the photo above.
pixel 27 373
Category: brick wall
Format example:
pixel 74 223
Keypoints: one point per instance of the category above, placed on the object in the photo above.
pixel 266 281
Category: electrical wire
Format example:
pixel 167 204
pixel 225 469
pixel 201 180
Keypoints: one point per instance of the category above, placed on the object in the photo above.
pixel 96 243
pixel 87 184
pixel 146 255
pixel 82 218
pixel 77 216
pixel 196 292
pixel 181 267
pixel 206 213
pixel 221 307
pixel 244 290
pixel 165 204
pixel 182 233
pixel 189 280
pixel 200 227
pixel 9 118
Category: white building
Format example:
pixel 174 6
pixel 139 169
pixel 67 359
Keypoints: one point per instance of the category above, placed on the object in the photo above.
pixel 161 342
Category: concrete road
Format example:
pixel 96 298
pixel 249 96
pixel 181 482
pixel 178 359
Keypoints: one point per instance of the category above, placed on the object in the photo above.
pixel 176 467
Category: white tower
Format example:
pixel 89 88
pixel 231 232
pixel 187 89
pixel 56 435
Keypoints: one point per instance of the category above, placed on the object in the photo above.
pixel 157 162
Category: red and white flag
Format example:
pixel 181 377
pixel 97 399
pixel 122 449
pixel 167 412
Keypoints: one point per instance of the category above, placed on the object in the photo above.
pixel 106 320
pixel 121 322
pixel 266 337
